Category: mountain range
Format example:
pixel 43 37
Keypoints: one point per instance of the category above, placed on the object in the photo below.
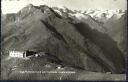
pixel 78 39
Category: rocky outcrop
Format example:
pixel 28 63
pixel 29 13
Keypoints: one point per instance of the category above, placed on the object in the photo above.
pixel 73 43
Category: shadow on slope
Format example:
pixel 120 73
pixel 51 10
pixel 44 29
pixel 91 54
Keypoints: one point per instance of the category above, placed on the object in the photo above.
pixel 107 45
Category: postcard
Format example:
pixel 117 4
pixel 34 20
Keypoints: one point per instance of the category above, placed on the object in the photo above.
pixel 63 40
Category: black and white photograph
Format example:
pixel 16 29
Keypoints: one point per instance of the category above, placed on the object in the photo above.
pixel 81 40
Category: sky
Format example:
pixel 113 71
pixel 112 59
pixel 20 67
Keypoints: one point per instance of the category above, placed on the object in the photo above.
pixel 13 6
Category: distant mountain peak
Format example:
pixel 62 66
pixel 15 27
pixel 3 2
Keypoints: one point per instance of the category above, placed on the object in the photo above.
pixel 30 5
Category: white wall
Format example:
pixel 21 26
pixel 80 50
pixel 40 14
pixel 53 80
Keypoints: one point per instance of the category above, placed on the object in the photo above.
pixel 16 54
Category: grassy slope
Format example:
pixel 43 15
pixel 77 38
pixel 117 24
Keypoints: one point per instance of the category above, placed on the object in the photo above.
pixel 38 64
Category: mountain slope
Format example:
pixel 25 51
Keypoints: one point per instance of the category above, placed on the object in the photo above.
pixel 75 43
